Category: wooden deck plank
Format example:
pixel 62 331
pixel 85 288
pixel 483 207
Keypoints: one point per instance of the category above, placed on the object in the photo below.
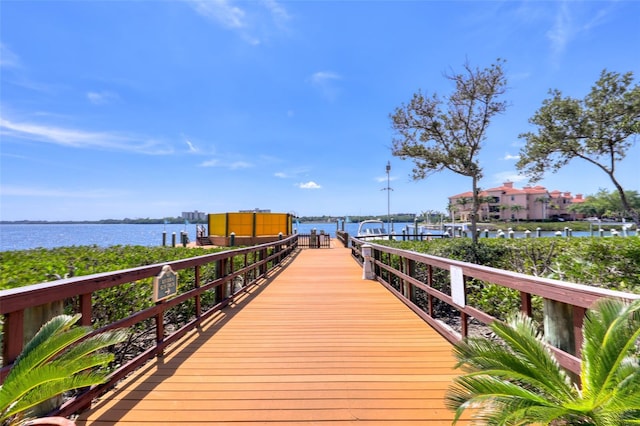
pixel 317 345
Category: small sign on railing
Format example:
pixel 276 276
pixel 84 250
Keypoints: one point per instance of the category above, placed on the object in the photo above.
pixel 165 285
pixel 457 286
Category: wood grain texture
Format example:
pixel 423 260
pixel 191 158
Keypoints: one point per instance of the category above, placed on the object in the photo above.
pixel 317 345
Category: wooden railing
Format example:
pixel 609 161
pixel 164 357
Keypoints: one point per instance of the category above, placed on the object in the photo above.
pixel 343 237
pixel 245 266
pixel 314 240
pixel 424 283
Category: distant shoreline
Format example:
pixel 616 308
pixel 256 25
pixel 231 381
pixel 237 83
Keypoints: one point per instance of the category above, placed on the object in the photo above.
pixel 177 221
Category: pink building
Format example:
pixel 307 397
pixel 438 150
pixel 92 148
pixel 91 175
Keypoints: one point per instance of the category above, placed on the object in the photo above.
pixel 508 203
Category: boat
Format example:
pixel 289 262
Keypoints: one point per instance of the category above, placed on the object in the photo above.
pixel 372 230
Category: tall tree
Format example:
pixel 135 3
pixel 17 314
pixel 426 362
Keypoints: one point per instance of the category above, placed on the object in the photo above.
pixel 605 203
pixel 599 129
pixel 447 133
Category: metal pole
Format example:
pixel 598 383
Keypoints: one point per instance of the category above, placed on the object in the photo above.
pixel 389 189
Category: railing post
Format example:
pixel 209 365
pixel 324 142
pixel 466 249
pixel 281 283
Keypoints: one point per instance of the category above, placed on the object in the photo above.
pixel 85 309
pixel 578 320
pixel 411 268
pixel 313 238
pixel 263 266
pixel 525 304
pixel 13 336
pixel 377 255
pixel 559 325
pixel 198 299
pixel 159 327
pixel 405 284
pixel 221 272
pixel 367 265
pixel 430 284
pixel 464 324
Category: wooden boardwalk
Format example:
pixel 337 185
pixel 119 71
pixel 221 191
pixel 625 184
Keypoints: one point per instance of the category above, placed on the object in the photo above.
pixel 317 345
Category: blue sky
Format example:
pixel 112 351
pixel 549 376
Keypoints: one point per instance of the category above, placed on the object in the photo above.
pixel 114 109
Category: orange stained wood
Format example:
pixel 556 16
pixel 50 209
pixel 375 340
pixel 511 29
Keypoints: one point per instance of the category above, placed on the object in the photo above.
pixel 315 345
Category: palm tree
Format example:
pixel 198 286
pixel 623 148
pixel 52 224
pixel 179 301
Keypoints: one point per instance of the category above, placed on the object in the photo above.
pixel 516 209
pixel 543 202
pixel 52 363
pixel 519 382
pixel 463 201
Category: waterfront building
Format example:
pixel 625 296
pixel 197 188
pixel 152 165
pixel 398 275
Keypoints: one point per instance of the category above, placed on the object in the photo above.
pixel 508 203
pixel 194 216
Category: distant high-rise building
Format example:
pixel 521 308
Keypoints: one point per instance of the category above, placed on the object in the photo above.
pixel 194 216
pixel 256 210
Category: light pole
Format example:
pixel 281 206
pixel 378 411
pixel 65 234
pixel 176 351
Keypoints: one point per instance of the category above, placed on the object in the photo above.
pixel 388 189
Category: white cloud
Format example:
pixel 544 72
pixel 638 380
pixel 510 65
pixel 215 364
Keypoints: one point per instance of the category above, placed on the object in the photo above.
pixel 308 185
pixel 76 138
pixel 191 146
pixel 278 12
pixel 240 165
pixel 8 59
pixel 384 179
pixel 101 98
pixel 562 30
pixel 325 83
pixel 216 162
pixel 221 11
pixel 572 20
pixel 508 156
pixel 508 177
pixel 246 20
pixel 292 173
pixel 322 77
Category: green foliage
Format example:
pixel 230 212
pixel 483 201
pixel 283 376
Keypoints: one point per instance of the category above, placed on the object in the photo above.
pixel 607 204
pixel 52 363
pixel 447 134
pixel 612 263
pixel 598 129
pixel 24 267
pixel 517 381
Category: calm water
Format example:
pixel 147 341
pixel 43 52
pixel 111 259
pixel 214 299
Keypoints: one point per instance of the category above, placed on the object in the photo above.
pixel 22 237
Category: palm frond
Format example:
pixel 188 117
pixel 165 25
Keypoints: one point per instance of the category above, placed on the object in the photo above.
pixel 50 364
pixel 610 333
pixel 51 328
pixel 52 388
pixel 91 345
pixel 524 358
pixel 46 350
pixel 521 382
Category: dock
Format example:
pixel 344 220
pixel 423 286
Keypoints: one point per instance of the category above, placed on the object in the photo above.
pixel 312 345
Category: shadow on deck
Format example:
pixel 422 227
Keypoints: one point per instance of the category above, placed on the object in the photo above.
pixel 316 344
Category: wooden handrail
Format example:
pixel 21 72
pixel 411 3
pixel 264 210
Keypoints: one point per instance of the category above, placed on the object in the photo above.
pixel 13 302
pixel 579 296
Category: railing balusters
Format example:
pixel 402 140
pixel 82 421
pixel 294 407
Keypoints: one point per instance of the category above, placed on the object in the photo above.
pixel 13 302
pixel 579 297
